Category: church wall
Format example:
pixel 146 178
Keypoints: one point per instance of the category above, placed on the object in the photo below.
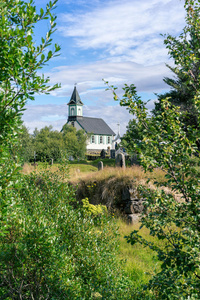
pixel 75 124
pixel 97 145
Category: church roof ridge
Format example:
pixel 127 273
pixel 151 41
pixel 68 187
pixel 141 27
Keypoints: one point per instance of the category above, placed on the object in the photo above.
pixel 92 118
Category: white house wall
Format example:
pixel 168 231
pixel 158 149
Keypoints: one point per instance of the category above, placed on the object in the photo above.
pixel 96 145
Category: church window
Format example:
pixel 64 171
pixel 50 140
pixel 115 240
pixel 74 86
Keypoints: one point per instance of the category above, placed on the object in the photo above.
pixel 108 139
pixel 101 139
pixel 79 112
pixel 72 111
pixel 72 124
pixel 93 139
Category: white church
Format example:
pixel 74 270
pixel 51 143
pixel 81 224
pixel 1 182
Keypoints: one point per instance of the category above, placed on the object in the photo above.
pixel 100 135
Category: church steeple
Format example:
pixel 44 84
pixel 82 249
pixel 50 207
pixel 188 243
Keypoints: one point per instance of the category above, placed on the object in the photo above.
pixel 75 106
pixel 75 98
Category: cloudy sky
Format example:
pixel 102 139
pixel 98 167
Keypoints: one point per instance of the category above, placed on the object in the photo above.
pixel 119 41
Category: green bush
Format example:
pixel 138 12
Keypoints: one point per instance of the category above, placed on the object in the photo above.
pixel 51 250
pixel 93 210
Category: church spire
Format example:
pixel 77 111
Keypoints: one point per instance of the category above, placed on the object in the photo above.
pixel 75 106
pixel 75 98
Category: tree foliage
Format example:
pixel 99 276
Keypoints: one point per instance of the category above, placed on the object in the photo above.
pixel 74 141
pixel 48 249
pixel 184 50
pixel 165 145
pixel 25 148
pixel 20 60
pixel 49 144
pixel 51 250
pixel 163 142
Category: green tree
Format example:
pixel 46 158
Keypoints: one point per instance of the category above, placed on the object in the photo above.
pixel 35 132
pixel 25 150
pixel 48 250
pixel 82 140
pixel 51 250
pixel 74 141
pixel 165 144
pixel 131 136
pixel 48 144
pixel 20 59
pixel 184 50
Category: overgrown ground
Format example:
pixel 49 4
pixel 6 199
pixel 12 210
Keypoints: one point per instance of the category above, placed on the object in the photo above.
pixel 140 262
pixel 89 170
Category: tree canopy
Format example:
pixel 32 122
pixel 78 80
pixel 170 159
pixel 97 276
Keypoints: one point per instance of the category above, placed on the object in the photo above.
pixel 184 50
pixel 20 60
pixel 49 144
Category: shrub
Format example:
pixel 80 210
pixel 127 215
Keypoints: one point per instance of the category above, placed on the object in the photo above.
pixel 93 210
pixel 51 250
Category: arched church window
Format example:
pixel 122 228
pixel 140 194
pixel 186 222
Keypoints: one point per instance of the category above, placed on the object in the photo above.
pixel 72 111
pixel 79 112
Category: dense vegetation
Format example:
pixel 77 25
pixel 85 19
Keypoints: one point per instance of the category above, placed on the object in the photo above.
pixel 54 248
pixel 47 144
pixel 51 248
pixel 165 140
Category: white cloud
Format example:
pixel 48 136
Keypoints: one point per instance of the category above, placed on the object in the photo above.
pixel 129 29
pixel 89 76
pixel 45 115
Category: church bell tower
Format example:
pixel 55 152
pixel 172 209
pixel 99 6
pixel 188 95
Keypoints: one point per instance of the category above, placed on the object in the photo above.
pixel 75 106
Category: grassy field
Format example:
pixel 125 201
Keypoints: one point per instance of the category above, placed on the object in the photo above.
pixel 75 169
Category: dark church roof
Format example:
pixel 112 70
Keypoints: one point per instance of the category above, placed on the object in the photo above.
pixel 75 98
pixel 95 125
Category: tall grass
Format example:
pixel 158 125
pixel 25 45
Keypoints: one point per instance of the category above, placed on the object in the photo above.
pixel 140 262
pixel 134 172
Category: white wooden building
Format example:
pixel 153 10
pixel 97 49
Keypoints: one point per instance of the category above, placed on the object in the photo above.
pixel 100 135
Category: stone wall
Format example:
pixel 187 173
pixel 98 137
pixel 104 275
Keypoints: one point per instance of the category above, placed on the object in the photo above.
pixel 116 193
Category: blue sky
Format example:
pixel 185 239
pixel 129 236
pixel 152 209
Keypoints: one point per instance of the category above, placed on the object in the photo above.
pixel 118 41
